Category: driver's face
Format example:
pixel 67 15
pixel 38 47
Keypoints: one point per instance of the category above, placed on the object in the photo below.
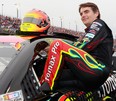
pixel 88 16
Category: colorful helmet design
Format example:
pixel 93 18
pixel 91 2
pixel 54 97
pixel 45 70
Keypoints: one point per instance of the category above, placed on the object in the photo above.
pixel 35 21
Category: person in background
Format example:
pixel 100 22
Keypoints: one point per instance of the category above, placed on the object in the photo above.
pixel 90 59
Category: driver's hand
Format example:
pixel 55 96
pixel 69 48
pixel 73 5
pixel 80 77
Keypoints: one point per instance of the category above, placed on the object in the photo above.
pixel 46 49
pixel 40 46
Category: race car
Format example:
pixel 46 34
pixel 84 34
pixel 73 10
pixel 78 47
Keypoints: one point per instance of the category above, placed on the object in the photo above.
pixel 21 66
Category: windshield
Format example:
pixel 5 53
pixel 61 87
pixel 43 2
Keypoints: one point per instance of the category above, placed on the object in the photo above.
pixel 7 50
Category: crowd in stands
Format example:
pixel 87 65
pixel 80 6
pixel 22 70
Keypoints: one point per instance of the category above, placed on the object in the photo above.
pixel 9 24
pixel 62 30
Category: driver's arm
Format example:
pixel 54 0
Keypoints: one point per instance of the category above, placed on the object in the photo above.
pixel 94 35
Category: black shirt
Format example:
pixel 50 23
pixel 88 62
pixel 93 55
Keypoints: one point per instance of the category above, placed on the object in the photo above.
pixel 98 41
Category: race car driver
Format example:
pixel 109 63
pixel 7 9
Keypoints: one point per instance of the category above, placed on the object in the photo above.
pixel 89 60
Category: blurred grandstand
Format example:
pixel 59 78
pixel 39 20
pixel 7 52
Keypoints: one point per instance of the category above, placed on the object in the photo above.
pixel 10 25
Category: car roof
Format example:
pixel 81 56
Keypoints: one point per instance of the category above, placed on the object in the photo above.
pixel 11 39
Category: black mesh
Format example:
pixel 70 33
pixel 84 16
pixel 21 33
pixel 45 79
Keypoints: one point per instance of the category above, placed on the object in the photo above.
pixel 30 86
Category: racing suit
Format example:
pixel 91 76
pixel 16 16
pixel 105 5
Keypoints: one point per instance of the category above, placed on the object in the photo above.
pixel 90 60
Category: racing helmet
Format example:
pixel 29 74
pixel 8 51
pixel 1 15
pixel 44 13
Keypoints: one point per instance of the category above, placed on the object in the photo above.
pixel 35 21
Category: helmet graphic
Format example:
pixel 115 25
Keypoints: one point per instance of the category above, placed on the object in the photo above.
pixel 35 21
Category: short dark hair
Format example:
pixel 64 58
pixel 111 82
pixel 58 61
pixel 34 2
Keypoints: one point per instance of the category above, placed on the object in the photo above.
pixel 93 6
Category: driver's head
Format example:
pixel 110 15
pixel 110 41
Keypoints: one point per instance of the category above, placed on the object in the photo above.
pixel 35 21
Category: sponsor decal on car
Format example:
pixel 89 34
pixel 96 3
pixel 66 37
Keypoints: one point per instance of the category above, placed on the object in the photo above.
pixel 12 96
